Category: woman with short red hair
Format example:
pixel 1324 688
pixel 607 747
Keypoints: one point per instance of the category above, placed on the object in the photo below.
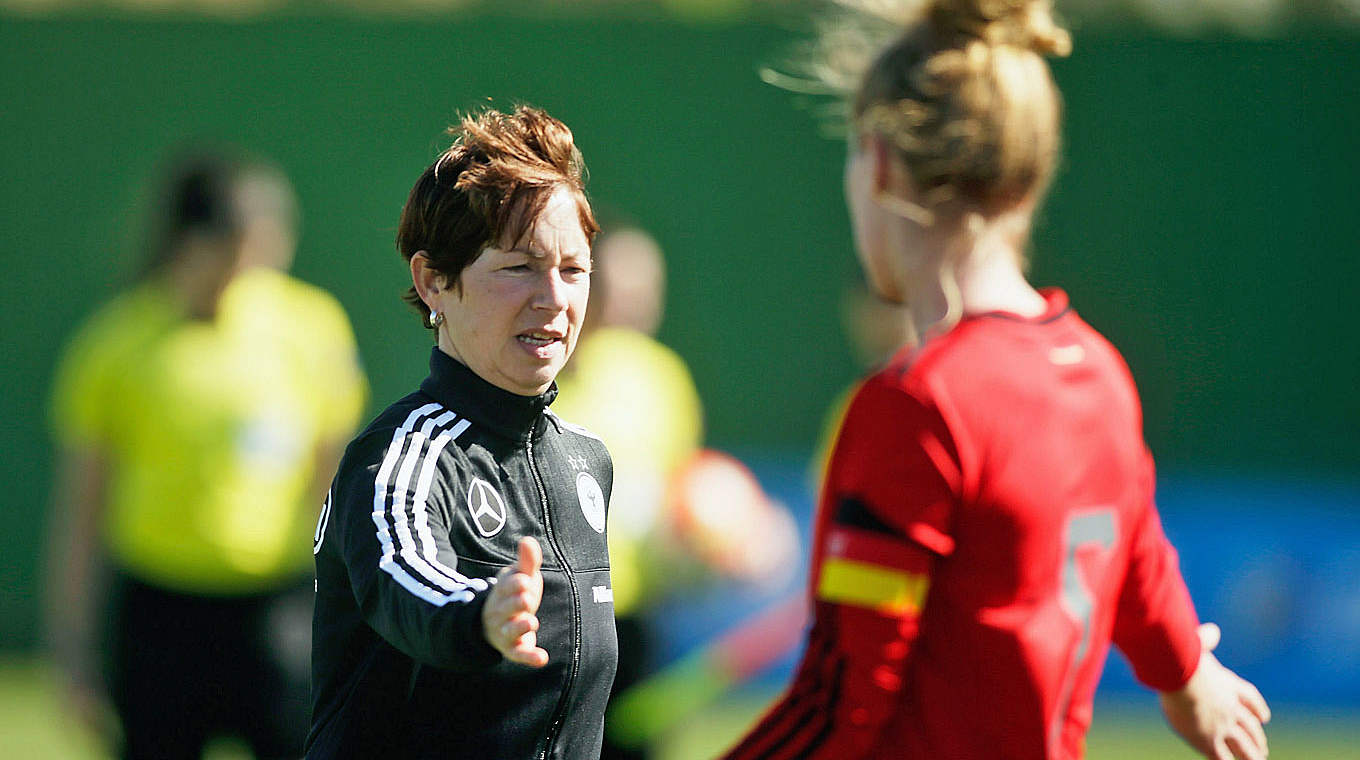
pixel 464 607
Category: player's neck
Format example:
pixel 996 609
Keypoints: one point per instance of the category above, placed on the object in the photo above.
pixel 993 280
pixel 987 277
pixel 197 285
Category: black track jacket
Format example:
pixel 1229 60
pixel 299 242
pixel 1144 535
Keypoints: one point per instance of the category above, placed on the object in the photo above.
pixel 430 502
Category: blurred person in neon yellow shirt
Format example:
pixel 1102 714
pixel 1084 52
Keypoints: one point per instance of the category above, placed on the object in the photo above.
pixel 638 395
pixel 200 415
pixel 681 513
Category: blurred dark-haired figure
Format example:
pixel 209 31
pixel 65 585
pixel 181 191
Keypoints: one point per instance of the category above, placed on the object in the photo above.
pixel 199 414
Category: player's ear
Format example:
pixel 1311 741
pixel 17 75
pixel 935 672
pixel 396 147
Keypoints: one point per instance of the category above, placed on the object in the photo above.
pixel 429 282
pixel 889 173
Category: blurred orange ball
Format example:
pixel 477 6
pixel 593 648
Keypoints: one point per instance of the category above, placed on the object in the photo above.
pixel 721 516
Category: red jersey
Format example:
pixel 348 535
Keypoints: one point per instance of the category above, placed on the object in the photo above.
pixel 986 529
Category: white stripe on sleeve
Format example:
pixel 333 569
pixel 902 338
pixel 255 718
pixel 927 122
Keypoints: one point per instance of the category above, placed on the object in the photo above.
pixel 432 585
pixel 428 547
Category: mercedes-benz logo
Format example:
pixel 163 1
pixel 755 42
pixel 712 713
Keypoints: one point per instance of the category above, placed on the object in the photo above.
pixel 486 507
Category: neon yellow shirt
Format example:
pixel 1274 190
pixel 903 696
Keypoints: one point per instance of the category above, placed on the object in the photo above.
pixel 211 428
pixel 638 396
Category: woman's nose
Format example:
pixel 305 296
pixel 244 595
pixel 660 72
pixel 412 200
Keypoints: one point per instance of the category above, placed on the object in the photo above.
pixel 551 294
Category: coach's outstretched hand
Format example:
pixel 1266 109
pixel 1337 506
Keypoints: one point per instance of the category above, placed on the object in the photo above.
pixel 510 615
pixel 1218 712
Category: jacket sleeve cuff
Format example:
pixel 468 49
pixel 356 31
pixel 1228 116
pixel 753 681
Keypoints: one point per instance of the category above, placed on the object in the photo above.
pixel 464 644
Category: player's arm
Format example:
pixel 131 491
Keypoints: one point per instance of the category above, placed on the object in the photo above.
pixel 402 569
pixel 74 575
pixel 870 592
pixel 73 554
pixel 1155 622
pixel 1215 711
pixel 84 400
pixel 887 506
pixel 890 529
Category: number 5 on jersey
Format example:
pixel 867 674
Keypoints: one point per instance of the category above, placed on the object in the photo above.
pixel 1095 531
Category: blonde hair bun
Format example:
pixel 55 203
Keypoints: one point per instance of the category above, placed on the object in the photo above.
pixel 1027 24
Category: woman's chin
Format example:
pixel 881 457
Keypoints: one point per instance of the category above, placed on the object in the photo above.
pixel 537 381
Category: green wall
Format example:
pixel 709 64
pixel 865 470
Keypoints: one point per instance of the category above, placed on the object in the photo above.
pixel 1203 218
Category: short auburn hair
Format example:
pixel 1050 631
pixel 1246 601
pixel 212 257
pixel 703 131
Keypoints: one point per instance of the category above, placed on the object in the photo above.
pixel 494 180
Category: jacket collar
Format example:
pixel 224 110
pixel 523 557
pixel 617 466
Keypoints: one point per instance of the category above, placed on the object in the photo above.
pixel 466 394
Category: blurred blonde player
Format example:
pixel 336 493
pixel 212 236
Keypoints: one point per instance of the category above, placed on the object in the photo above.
pixel 200 415
pixel 679 512
pixel 987 527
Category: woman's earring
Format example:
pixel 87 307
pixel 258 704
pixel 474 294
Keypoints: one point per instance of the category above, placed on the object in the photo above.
pixel 436 319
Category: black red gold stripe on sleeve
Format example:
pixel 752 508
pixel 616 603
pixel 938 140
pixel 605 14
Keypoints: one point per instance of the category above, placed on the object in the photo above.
pixel 854 513
pixel 873 570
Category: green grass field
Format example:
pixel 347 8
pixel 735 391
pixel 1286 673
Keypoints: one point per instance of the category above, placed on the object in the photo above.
pixel 1132 732
pixel 33 727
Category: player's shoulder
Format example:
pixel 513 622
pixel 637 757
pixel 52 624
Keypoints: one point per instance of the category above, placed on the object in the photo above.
pixel 147 305
pixel 622 342
pixel 927 380
pixel 268 282
pixel 908 373
pixel 978 344
pixel 1099 349
pixel 619 350
pixel 415 412
pixel 989 347
pixel 309 296
pixel 414 429
pixel 579 437
pixel 309 306
pixel 894 391
pixel 572 431
pixel 120 325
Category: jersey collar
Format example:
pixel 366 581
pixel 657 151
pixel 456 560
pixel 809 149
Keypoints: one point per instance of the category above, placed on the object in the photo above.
pixel 466 394
pixel 1056 302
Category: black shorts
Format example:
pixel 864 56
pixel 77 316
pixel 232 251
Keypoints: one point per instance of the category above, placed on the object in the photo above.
pixel 184 669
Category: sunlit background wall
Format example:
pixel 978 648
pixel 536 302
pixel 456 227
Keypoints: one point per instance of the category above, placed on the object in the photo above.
pixel 1204 218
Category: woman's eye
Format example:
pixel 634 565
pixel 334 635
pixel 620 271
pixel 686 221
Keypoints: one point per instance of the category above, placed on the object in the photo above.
pixel 517 268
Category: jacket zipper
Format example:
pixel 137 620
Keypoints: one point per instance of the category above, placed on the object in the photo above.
pixel 560 712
